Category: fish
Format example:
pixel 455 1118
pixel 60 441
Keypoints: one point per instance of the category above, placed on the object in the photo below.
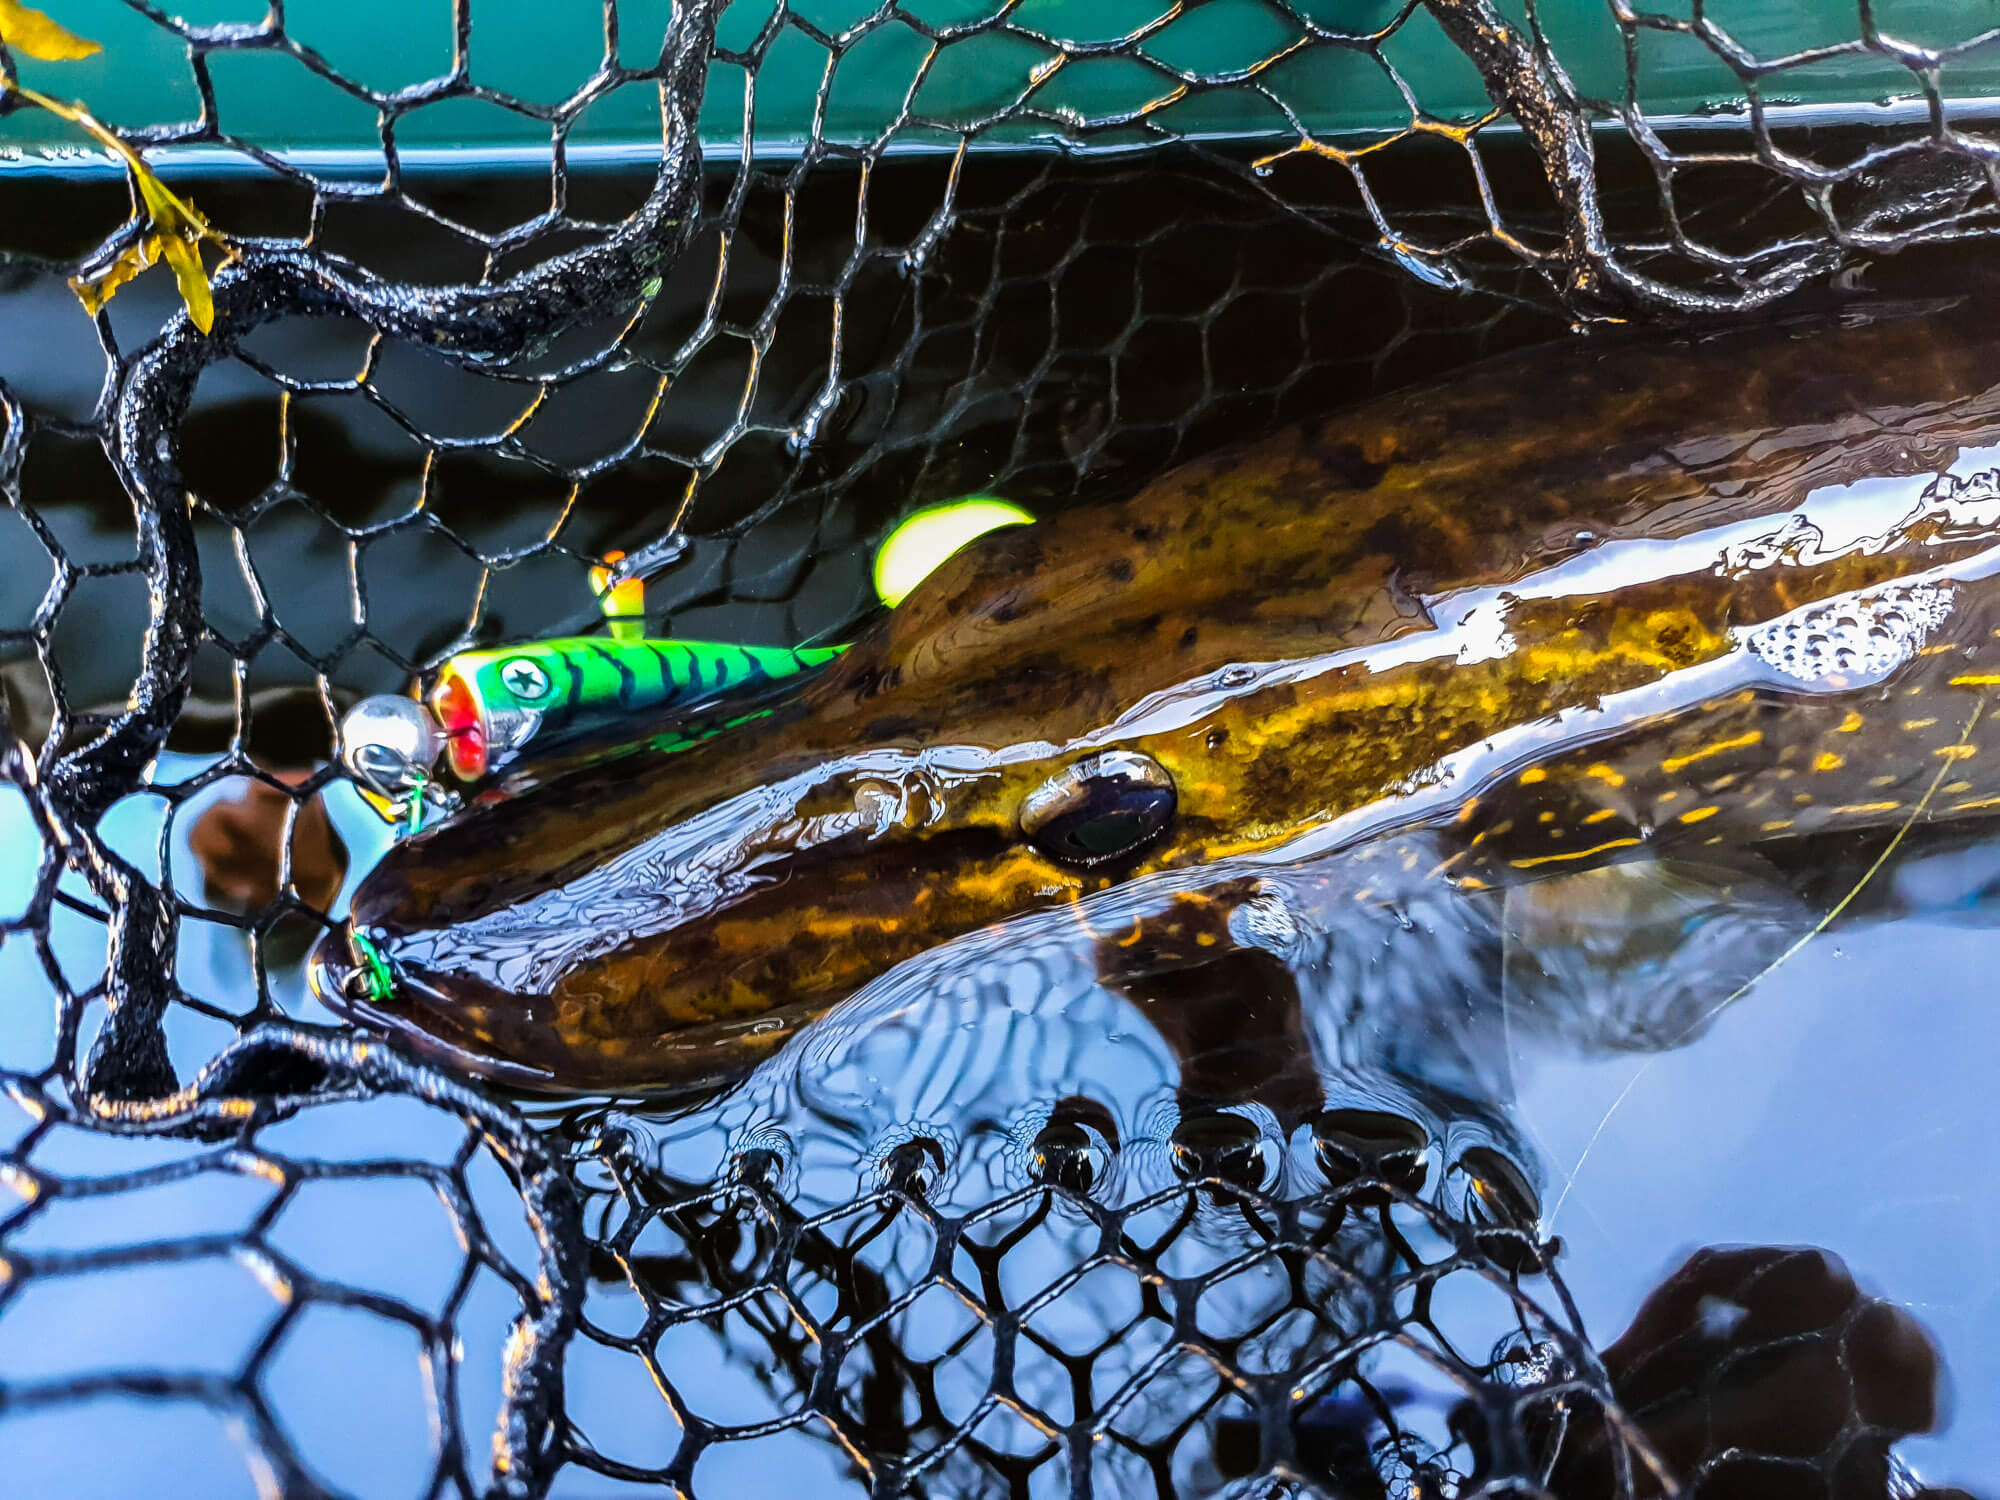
pixel 1635 596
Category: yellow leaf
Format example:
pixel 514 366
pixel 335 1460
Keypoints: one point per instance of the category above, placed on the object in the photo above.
pixel 185 257
pixel 173 229
pixel 182 254
pixel 26 29
pixel 167 213
pixel 94 291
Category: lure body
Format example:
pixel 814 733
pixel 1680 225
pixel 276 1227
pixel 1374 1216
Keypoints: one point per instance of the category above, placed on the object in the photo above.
pixel 489 704
pixel 1561 610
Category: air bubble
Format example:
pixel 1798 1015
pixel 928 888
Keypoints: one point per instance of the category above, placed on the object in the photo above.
pixel 1867 635
pixel 914 1160
pixel 1075 1146
pixel 1494 1196
pixel 1224 1145
pixel 763 1157
pixel 1356 1144
pixel 1266 921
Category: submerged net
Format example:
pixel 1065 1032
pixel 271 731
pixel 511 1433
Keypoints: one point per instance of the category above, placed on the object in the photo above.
pixel 1040 261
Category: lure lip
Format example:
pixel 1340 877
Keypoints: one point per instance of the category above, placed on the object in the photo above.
pixel 455 708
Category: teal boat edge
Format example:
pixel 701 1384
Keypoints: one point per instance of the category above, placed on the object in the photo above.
pixel 1031 83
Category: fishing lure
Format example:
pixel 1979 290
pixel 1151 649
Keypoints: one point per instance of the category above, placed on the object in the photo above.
pixel 488 706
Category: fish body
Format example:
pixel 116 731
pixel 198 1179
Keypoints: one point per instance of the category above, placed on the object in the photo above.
pixel 1573 605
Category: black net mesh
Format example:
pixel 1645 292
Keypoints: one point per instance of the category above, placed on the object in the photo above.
pixel 434 397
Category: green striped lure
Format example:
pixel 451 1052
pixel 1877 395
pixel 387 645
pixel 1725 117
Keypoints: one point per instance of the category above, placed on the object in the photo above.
pixel 489 705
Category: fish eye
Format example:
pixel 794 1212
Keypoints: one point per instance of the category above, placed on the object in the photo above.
pixel 1103 807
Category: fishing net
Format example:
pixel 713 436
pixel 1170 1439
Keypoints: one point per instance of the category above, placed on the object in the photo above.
pixel 1056 252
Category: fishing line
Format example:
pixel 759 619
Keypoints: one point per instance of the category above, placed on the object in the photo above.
pixel 1923 805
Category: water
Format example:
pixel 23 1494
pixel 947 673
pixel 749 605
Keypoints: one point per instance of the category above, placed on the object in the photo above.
pixel 1844 1103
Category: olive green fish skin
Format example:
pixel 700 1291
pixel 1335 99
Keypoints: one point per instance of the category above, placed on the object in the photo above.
pixel 1256 623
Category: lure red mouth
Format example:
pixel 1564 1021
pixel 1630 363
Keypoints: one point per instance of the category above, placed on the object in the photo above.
pixel 458 717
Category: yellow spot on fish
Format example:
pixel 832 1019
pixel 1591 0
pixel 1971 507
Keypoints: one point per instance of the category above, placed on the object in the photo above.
pixel 1956 752
pixel 1978 679
pixel 1545 816
pixel 1911 725
pixel 1851 723
pixel 1699 814
pixel 1668 796
pixel 1975 806
pixel 1868 807
pixel 1777 824
pixel 1204 939
pixel 1601 814
pixel 1742 742
pixel 1545 859
pixel 1605 774
pixel 1473 883
pixel 1880 781
pixel 1826 760
pixel 1953 788
pixel 1532 775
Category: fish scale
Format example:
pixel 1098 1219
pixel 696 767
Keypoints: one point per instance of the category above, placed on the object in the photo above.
pixel 1771 761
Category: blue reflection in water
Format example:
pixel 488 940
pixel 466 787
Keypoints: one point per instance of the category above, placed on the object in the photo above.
pixel 330 1374
pixel 1847 1102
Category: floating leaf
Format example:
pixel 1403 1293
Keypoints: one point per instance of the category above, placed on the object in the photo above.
pixel 26 29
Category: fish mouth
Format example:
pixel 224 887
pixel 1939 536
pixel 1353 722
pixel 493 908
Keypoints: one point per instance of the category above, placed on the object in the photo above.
pixel 407 1010
pixel 463 1026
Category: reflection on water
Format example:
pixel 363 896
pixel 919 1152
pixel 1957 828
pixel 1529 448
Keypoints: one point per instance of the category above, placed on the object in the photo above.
pixel 1559 1073
pixel 1545 1068
pixel 1356 1164
pixel 1763 1371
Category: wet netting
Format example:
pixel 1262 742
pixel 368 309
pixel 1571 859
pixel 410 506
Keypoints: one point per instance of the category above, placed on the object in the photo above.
pixel 859 259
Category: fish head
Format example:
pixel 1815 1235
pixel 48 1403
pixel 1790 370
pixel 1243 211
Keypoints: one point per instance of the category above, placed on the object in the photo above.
pixel 1013 738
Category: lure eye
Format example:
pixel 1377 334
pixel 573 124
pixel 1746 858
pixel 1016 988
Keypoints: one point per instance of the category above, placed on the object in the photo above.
pixel 1103 808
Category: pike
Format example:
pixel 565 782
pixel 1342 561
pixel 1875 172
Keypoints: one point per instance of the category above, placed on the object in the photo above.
pixel 1574 607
